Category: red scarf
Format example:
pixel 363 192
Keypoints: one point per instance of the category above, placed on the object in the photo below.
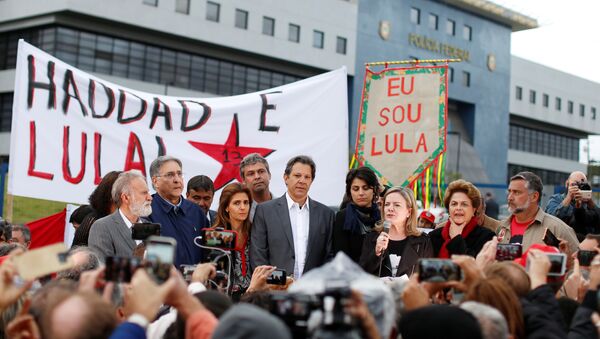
pixel 444 254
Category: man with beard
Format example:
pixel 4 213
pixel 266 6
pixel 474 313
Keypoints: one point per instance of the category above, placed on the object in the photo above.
pixel 111 235
pixel 178 217
pixel 254 170
pixel 527 223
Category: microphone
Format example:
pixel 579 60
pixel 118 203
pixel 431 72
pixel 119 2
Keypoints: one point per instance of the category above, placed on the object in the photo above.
pixel 386 229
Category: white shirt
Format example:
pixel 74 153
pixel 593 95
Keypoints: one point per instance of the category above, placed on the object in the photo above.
pixel 129 225
pixel 300 219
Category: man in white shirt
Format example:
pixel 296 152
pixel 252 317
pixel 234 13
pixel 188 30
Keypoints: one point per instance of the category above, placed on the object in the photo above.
pixel 293 232
pixel 111 235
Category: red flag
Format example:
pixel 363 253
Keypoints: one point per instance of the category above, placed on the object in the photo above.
pixel 48 230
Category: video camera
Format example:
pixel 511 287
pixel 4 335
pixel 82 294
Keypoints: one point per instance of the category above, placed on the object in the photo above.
pixel 317 316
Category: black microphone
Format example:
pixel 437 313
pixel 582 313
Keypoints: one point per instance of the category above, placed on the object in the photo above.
pixel 386 229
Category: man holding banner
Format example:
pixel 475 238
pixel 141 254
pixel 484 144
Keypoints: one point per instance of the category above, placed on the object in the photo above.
pixel 178 217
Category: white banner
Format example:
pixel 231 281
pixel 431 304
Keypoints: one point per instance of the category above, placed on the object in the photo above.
pixel 69 128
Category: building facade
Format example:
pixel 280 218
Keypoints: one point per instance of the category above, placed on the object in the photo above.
pixel 181 47
pixel 551 113
pixel 476 32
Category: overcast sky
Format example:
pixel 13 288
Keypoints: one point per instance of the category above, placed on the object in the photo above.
pixel 568 34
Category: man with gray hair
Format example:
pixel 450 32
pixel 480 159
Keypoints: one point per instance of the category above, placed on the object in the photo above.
pixel 528 223
pixel 178 217
pixel 111 235
pixel 492 322
pixel 20 234
pixel 84 259
pixel 254 170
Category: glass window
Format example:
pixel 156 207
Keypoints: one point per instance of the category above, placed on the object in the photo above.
pixel 241 19
pixel 150 2
pixel 318 39
pixel 268 26
pixel 581 110
pixel 451 71
pixel 467 32
pixel 593 109
pixel 532 96
pixel 340 46
pixel 450 27
pixel 545 100
pixel 558 104
pixel 212 11
pixel 466 79
pixel 294 33
pixel 570 107
pixel 433 21
pixel 182 6
pixel 519 93
pixel 415 15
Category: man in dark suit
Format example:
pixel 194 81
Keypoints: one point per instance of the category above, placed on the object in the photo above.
pixel 292 232
pixel 111 235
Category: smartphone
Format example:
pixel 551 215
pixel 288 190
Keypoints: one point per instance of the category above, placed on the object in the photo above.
pixel 586 195
pixel 120 269
pixel 187 271
pixel 438 270
pixel 558 264
pixel 160 253
pixel 219 238
pixel 143 230
pixel 42 261
pixel 585 257
pixel 550 239
pixel 509 251
pixel 277 277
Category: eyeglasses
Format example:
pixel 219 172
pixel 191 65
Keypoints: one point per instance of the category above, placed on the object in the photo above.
pixel 172 175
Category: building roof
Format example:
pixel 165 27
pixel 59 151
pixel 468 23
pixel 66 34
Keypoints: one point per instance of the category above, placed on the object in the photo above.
pixel 495 12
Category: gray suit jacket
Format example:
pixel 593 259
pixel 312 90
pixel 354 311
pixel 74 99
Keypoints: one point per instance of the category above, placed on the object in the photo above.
pixel 272 241
pixel 110 236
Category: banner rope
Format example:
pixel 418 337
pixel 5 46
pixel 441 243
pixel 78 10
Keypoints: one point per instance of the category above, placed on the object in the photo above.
pixel 412 61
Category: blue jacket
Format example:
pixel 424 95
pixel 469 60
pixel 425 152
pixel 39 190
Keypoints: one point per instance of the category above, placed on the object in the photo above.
pixel 182 223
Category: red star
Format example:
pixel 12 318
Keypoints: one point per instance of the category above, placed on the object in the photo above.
pixel 229 155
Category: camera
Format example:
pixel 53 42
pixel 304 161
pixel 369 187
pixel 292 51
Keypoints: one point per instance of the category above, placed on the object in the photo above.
pixel 438 270
pixel 585 190
pixel 317 316
pixel 219 238
pixel 143 230
pixel 277 277
pixel 509 252
pixel 121 269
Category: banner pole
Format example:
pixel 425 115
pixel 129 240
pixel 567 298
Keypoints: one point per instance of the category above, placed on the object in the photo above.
pixel 412 61
pixel 9 208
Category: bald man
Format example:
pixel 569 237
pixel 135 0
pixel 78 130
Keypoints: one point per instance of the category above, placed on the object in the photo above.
pixel 576 207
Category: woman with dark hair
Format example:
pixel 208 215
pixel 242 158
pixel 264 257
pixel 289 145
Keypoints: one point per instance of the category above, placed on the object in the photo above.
pixel 102 204
pixel 233 214
pixel 396 251
pixel 460 234
pixel 360 214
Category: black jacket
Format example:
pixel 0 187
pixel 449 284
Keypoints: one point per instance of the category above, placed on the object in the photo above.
pixel 471 245
pixel 417 247
pixel 542 315
pixel 345 241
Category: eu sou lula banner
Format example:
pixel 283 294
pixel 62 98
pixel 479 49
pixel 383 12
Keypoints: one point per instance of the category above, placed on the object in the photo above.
pixel 402 126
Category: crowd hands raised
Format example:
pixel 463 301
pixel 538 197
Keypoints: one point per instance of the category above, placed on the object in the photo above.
pixel 533 275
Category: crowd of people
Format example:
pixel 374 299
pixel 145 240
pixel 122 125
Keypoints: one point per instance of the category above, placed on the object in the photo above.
pixel 534 274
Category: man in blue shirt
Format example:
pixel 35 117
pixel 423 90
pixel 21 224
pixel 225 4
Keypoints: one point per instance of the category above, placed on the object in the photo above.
pixel 179 218
pixel 576 207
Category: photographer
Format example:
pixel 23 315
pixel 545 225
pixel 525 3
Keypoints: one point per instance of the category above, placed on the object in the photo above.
pixel 576 207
